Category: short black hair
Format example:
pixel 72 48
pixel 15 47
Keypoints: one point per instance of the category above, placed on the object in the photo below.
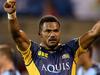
pixel 47 18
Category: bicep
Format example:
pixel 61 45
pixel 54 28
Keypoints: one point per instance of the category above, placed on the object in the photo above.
pixel 90 36
pixel 80 50
pixel 19 36
pixel 85 40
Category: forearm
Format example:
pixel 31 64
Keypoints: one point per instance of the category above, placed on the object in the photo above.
pixel 13 24
pixel 90 36
pixel 86 40
pixel 18 35
pixel 10 8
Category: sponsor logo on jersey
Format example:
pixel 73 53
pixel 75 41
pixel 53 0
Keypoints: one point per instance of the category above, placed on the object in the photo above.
pixel 57 68
pixel 42 54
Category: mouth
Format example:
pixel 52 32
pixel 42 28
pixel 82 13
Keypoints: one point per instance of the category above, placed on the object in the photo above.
pixel 52 40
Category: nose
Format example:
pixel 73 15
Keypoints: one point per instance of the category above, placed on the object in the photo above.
pixel 52 34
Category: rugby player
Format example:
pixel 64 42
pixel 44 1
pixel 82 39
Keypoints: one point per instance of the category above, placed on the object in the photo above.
pixel 50 57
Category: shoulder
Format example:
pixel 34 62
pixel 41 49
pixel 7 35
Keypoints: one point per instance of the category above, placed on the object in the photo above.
pixel 17 72
pixel 73 43
pixel 34 46
pixel 74 40
pixel 97 68
pixel 80 70
pixel 96 65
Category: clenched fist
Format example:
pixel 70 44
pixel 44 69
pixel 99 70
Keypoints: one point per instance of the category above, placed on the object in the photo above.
pixel 10 6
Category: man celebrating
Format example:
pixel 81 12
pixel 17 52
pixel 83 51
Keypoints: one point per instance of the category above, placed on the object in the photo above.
pixel 50 57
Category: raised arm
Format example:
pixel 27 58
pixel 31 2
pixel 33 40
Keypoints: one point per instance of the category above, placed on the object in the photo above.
pixel 18 35
pixel 90 36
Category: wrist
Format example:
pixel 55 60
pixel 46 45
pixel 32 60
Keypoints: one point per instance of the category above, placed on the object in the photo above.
pixel 12 16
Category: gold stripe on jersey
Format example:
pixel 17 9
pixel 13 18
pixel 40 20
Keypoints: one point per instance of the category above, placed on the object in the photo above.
pixel 73 72
pixel 79 51
pixel 27 54
pixel 32 69
pixel 30 65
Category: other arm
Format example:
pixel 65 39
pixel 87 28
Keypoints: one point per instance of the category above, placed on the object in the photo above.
pixel 86 39
pixel 19 35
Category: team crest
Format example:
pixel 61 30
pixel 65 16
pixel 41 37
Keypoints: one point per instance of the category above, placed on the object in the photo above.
pixel 65 56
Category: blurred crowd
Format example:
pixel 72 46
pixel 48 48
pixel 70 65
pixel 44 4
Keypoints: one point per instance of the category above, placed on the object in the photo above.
pixel 88 63
pixel 10 61
pixel 80 9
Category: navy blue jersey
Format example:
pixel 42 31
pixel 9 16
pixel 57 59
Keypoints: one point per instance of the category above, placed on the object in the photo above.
pixel 60 61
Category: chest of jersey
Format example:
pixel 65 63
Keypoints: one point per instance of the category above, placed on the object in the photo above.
pixel 54 63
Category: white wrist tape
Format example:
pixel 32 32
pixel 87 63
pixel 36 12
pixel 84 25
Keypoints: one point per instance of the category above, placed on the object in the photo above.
pixel 12 16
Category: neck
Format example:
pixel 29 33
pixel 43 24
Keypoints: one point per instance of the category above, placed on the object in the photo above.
pixel 87 65
pixel 49 48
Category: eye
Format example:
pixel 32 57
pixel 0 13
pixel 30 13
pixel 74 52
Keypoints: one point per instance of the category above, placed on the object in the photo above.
pixel 48 31
pixel 56 30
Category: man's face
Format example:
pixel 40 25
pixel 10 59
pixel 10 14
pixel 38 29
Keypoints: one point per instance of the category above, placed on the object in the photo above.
pixel 50 34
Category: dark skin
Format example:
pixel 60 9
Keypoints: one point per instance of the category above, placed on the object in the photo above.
pixel 50 34
pixel 49 30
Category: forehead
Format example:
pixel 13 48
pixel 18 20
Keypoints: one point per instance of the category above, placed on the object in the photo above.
pixel 51 25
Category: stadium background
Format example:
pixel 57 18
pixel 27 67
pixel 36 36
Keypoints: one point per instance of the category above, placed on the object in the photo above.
pixel 74 20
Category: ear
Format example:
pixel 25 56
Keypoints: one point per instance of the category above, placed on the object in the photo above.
pixel 40 35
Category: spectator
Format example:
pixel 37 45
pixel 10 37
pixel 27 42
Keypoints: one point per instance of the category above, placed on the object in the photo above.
pixel 96 49
pixel 6 61
pixel 86 10
pixel 87 66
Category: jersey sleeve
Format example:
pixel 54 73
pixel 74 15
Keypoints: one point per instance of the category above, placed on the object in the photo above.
pixel 76 48
pixel 29 54
pixel 28 59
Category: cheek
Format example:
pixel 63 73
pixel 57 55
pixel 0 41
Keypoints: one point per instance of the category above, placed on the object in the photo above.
pixel 44 36
pixel 58 35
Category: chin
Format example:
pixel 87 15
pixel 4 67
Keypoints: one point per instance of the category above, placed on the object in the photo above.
pixel 53 46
